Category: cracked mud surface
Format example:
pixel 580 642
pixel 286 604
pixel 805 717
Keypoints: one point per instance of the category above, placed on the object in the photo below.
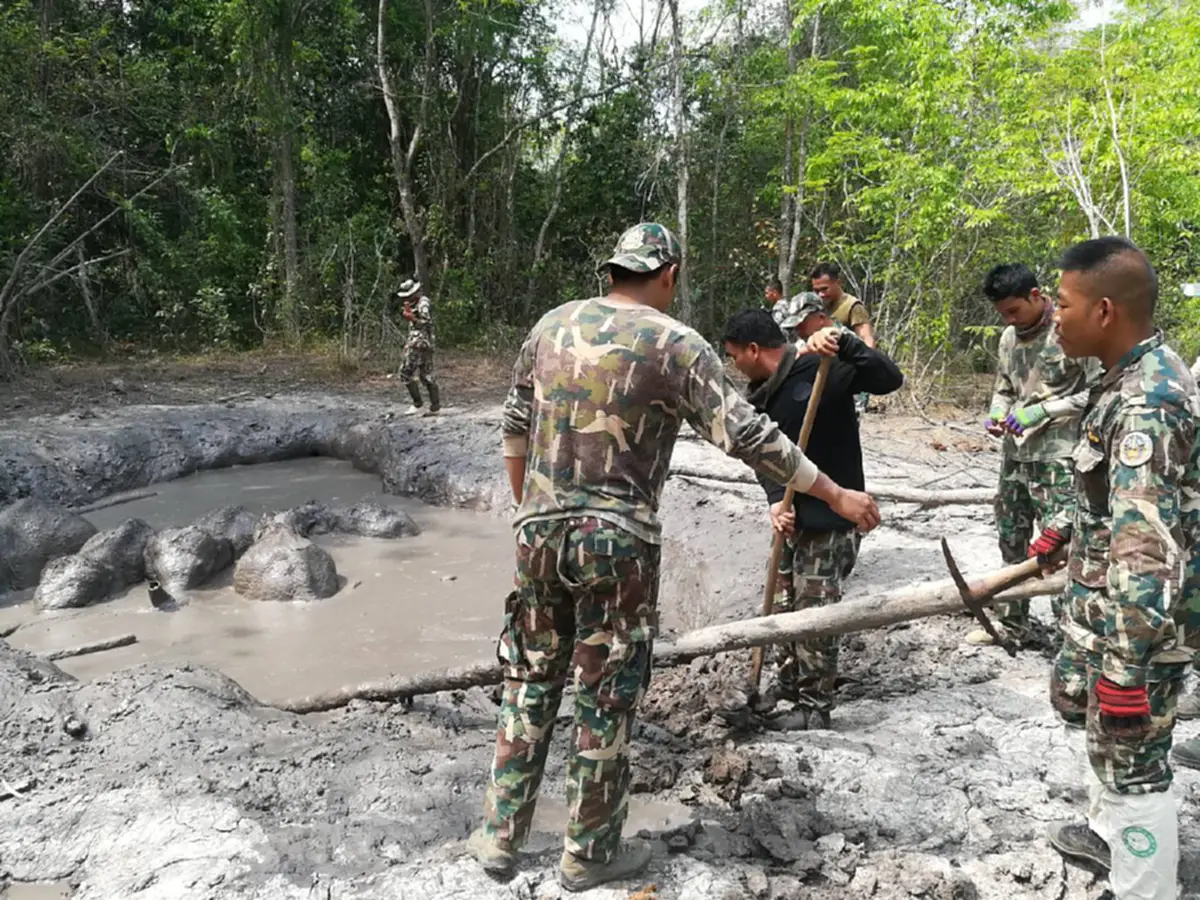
pixel 943 765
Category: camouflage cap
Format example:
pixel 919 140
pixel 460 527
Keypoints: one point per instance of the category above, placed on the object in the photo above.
pixel 802 306
pixel 645 248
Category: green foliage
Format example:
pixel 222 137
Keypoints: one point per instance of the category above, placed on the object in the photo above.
pixel 254 193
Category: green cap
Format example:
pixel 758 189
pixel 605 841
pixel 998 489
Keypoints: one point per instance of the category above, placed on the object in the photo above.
pixel 801 307
pixel 645 248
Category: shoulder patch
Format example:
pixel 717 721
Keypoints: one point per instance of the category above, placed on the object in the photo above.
pixel 1136 449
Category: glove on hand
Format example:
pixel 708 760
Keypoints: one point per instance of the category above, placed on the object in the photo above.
pixel 1026 417
pixel 994 424
pixel 1124 711
pixel 1046 543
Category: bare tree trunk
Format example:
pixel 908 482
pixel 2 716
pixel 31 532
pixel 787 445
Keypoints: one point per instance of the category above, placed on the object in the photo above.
pixel 1116 132
pixel 285 174
pixel 403 158
pixel 921 601
pixel 576 89
pixel 683 297
pixel 798 197
pixel 788 219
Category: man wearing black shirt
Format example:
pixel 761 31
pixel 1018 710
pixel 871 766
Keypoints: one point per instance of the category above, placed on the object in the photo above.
pixel 826 545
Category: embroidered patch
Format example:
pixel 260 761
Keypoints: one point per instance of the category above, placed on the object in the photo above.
pixel 1093 436
pixel 1136 449
pixel 1139 842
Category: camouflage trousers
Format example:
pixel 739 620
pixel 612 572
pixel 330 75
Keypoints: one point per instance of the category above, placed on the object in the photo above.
pixel 1128 762
pixel 821 561
pixel 585 605
pixel 1030 495
pixel 417 362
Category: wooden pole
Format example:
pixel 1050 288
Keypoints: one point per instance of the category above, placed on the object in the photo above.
pixel 95 647
pixel 896 493
pixel 937 598
pixel 806 427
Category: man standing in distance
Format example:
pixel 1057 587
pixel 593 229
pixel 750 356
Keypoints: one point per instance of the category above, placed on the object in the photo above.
pixel 1131 557
pixel 1039 396
pixel 418 348
pixel 846 309
pixel 599 392
pixel 824 545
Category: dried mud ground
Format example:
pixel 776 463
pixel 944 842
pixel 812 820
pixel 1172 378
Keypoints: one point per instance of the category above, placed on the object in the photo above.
pixel 169 781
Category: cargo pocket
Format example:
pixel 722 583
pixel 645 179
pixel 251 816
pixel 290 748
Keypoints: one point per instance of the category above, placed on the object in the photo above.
pixel 621 574
pixel 510 649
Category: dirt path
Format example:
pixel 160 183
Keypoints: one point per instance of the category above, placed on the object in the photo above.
pixel 170 781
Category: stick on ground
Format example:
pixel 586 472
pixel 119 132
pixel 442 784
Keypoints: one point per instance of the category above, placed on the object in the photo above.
pixel 935 598
pixel 123 640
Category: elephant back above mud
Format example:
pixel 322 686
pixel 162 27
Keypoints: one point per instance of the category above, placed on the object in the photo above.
pixel 33 532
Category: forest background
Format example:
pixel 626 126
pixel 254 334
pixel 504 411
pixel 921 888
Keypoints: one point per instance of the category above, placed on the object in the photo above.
pixel 211 175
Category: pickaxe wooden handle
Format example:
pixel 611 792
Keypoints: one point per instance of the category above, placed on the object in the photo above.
pixel 806 427
pixel 974 597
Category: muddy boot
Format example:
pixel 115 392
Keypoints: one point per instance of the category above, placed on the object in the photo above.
pixel 1076 841
pixel 1188 707
pixel 1187 754
pixel 497 861
pixel 632 858
pixel 415 393
pixel 435 403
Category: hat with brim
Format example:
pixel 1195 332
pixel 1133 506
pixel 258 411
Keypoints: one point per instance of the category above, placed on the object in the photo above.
pixel 407 289
pixel 804 305
pixel 645 248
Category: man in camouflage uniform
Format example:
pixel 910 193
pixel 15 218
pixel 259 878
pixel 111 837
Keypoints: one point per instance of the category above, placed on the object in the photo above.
pixel 418 349
pixel 773 294
pixel 1039 395
pixel 846 309
pixel 600 390
pixel 1131 594
pixel 824 546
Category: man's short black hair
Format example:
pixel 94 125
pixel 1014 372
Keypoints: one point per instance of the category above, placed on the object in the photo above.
pixel 754 326
pixel 1009 280
pixel 621 275
pixel 1120 269
pixel 826 270
pixel 775 285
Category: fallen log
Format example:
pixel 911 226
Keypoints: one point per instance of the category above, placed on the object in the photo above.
pixel 123 640
pixel 921 601
pixel 113 501
pixel 896 493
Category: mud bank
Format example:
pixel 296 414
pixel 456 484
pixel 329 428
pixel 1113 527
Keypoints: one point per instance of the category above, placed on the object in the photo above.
pixel 169 780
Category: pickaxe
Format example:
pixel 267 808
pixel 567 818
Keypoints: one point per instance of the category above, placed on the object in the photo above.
pixel 975 599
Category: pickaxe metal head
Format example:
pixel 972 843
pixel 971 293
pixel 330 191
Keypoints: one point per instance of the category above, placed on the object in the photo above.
pixel 974 603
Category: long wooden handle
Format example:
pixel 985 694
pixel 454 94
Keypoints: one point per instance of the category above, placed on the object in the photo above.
pixel 810 416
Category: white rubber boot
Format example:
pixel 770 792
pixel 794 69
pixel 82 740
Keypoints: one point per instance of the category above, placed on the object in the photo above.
pixel 1142 831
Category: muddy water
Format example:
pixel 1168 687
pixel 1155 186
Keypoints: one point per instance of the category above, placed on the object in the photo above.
pixel 405 606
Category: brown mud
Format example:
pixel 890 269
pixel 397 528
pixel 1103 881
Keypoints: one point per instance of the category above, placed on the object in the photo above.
pixel 168 779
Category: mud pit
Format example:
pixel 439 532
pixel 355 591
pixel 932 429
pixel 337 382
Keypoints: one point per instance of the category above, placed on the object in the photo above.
pixel 405 606
pixel 943 765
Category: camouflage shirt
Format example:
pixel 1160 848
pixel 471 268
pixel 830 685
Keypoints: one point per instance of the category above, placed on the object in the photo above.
pixel 1138 502
pixel 599 392
pixel 420 328
pixel 1033 369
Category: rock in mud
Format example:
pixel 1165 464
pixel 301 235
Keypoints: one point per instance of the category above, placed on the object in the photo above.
pixel 73 581
pixel 284 566
pixel 181 559
pixel 365 519
pixel 32 533
pixel 108 562
pixel 234 523
pixel 371 519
